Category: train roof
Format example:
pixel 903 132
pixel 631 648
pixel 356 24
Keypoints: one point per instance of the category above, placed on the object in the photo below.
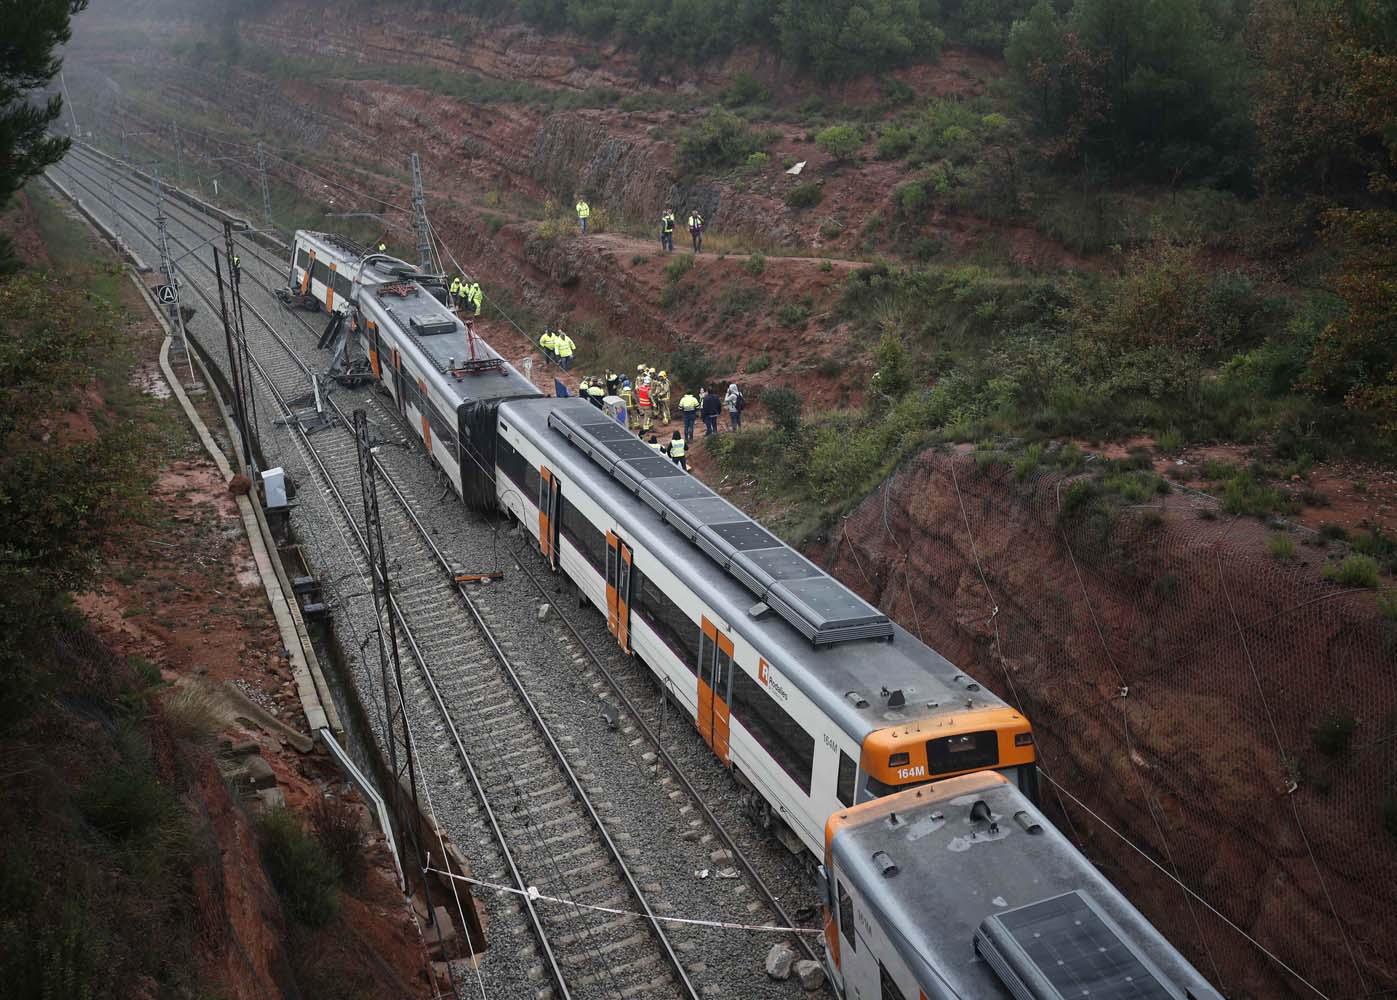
pixel 442 345
pixel 845 679
pixel 975 887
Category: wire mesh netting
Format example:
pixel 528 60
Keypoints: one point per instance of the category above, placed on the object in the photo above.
pixel 1232 715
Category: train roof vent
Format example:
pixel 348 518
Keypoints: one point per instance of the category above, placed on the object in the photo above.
pixel 1068 946
pixel 818 606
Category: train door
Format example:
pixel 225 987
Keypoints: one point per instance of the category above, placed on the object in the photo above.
pixel 714 688
pixel 399 394
pixel 549 507
pixel 618 589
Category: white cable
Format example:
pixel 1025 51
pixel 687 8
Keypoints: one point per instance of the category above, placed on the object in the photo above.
pixel 535 896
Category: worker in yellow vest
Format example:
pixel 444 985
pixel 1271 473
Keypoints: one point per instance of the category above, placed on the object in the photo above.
pixel 688 409
pixel 677 448
pixel 563 348
pixel 547 342
pixel 584 212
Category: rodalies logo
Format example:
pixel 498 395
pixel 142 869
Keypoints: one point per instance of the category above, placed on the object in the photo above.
pixel 764 674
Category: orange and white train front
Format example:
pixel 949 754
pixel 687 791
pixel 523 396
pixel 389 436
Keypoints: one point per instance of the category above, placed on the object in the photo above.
pixel 962 889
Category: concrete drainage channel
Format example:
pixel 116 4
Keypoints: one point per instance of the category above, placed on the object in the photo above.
pixel 655 834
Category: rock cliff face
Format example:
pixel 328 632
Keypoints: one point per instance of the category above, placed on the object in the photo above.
pixel 1176 677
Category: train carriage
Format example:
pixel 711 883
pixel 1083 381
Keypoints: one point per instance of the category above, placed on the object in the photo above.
pixel 445 381
pixel 325 269
pixel 813 697
pixel 964 890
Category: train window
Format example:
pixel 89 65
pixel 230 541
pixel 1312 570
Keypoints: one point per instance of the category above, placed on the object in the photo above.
pixel 846 916
pixel 584 537
pixel 302 258
pixel 965 752
pixel 512 464
pixel 441 430
pixel 668 620
pixel 342 287
pixel 889 987
pixel 721 672
pixel 321 273
pixel 531 481
pixel 779 734
pixel 848 770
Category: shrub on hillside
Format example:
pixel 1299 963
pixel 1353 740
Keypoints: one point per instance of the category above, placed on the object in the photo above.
pixel 691 365
pixel 805 195
pixel 744 89
pixel 1355 571
pixel 894 142
pixel 722 139
pixel 840 141
pixel 339 828
pixel 784 406
pixel 302 871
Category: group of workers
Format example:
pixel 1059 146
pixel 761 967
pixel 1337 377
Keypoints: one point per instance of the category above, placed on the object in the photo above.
pixel 558 347
pixel 468 293
pixel 647 402
pixel 667 220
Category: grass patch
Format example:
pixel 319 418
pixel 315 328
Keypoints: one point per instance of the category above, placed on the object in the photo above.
pixel 1354 571
pixel 760 363
pixel 303 871
pixel 677 268
pixel 1282 548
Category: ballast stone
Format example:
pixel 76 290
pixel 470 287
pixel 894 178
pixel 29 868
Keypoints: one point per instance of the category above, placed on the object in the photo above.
pixel 811 975
pixel 779 961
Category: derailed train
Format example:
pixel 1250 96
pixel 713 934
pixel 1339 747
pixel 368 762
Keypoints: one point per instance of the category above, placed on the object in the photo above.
pixel 816 702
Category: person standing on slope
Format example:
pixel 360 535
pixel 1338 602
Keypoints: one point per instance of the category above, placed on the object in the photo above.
pixel 667 231
pixel 696 229
pixel 584 212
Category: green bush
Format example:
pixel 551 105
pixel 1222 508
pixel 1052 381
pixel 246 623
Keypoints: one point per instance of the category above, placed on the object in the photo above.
pixel 755 264
pixel 894 142
pixel 1333 734
pixel 758 160
pixel 1282 548
pixel 784 406
pixel 691 365
pixel 338 826
pixel 677 268
pixel 736 299
pixel 793 313
pixel 913 199
pixel 303 872
pixel 125 802
pixel 721 139
pixel 1355 571
pixel 744 89
pixel 805 195
pixel 760 363
pixel 840 141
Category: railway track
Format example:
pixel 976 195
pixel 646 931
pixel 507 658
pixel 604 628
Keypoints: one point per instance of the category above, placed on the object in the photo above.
pixel 549 831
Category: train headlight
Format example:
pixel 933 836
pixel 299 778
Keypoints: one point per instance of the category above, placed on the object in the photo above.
pixel 1023 739
pixel 899 759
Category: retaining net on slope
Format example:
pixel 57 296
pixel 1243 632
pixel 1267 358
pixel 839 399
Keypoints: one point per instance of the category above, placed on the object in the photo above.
pixel 1188 689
